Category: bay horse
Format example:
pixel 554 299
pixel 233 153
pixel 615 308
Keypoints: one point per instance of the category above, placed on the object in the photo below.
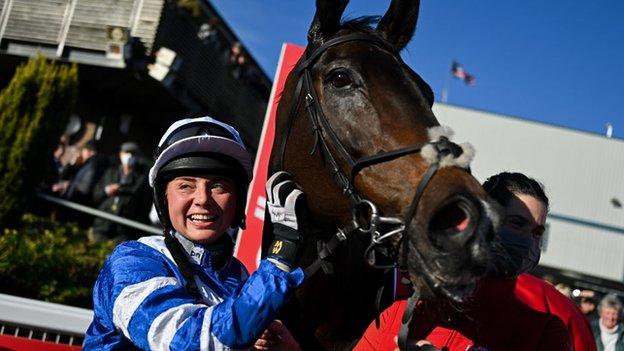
pixel 355 129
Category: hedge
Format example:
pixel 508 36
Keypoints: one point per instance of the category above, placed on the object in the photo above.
pixel 34 109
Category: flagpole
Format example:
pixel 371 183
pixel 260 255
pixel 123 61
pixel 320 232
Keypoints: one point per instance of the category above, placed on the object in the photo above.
pixel 445 90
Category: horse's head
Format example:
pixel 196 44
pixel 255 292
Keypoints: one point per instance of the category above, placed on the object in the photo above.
pixel 367 118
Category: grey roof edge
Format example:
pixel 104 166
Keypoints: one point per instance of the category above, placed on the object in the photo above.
pixel 527 120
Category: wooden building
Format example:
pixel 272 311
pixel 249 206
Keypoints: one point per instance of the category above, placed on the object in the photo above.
pixel 142 64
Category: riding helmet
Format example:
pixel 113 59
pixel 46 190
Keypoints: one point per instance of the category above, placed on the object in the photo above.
pixel 196 146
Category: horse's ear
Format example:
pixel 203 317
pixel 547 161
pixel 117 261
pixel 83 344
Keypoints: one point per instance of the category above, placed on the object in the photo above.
pixel 326 20
pixel 397 26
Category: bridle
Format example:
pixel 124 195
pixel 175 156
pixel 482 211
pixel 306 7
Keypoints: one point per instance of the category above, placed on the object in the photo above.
pixel 325 135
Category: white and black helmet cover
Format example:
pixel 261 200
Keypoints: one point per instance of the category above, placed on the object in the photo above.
pixel 199 146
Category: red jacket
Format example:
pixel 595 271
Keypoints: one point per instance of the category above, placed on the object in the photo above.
pixel 496 320
pixel 543 297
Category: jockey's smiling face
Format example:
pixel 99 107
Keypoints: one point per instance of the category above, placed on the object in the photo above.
pixel 201 208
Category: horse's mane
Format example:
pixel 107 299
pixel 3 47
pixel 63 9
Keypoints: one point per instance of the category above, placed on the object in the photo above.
pixel 361 24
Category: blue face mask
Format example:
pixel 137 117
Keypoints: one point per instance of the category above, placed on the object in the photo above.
pixel 515 253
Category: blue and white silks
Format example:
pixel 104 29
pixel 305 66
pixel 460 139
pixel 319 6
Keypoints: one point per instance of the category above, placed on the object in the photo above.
pixel 140 301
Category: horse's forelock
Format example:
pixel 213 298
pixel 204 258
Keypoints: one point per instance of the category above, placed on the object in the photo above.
pixel 365 24
pixel 361 24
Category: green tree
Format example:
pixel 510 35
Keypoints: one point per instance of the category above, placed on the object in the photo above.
pixel 34 108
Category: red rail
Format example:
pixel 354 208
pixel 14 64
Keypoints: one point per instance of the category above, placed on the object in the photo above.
pixel 12 343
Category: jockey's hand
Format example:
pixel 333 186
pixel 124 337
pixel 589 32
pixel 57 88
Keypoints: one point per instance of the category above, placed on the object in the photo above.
pixel 288 207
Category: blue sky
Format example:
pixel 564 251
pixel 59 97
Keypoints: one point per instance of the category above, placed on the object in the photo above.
pixel 558 62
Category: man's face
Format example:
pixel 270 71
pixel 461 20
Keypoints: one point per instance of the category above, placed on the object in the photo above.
pixel 525 214
pixel 124 157
pixel 201 208
pixel 85 154
pixel 609 317
pixel 587 306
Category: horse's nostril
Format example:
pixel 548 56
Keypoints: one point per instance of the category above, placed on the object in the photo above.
pixel 451 226
pixel 452 217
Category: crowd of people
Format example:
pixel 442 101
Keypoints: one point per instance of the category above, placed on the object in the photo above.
pixel 237 60
pixel 185 290
pixel 113 184
pixel 603 313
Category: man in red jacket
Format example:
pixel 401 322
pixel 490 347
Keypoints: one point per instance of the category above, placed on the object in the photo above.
pixel 496 318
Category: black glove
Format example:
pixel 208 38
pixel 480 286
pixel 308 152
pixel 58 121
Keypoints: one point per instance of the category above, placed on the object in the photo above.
pixel 287 206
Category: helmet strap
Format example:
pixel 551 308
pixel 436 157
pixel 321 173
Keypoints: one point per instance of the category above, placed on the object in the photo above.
pixel 180 259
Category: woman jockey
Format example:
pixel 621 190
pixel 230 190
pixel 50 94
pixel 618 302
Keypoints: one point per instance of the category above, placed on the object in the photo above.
pixel 184 290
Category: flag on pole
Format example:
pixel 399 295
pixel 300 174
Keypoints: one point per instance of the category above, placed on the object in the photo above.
pixel 458 72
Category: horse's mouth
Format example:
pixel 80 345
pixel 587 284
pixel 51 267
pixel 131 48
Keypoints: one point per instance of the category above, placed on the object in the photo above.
pixel 457 285
pixel 458 231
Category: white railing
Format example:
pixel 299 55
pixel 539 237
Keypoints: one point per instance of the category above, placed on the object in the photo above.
pixel 50 321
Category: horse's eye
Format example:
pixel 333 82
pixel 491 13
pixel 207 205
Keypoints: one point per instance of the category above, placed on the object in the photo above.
pixel 340 79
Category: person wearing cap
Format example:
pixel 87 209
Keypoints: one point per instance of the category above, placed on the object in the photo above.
pixel 122 191
pixel 184 290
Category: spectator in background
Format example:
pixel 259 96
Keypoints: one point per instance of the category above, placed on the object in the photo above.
pixel 64 170
pixel 86 169
pixel 242 69
pixel 70 162
pixel 208 33
pixel 56 166
pixel 587 304
pixel 56 159
pixel 236 51
pixel 122 191
pixel 81 186
pixel 238 61
pixel 564 289
pixel 608 329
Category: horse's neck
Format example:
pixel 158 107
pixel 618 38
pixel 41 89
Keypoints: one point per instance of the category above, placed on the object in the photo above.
pixel 325 198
